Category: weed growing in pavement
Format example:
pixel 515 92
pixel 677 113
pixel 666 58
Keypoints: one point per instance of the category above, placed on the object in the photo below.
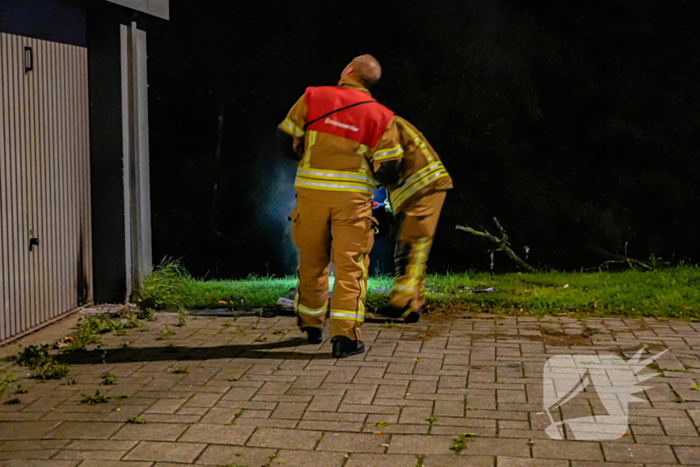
pixel 52 370
pixel 233 378
pixel 19 390
pixel 431 420
pixel 12 401
pixel 166 333
pixel 149 314
pixel 280 332
pixel 6 378
pixel 96 398
pixel 181 318
pixel 33 356
pixel 460 441
pixel 181 370
pixel 108 379
pixel 89 328
pixel 238 414
pixel 382 424
pixel 136 420
pixel 421 458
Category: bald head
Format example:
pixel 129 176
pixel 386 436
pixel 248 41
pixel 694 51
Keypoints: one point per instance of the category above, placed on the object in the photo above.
pixel 364 68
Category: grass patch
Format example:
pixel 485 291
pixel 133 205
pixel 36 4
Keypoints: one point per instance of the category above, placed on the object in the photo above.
pixel 665 293
pixel 136 420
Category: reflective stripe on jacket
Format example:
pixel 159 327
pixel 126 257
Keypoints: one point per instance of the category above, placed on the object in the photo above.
pixel 421 169
pixel 336 151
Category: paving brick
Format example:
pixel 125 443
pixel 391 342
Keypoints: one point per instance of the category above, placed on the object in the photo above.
pixel 94 455
pixel 418 387
pixel 338 417
pixel 571 450
pixel 524 462
pixel 451 460
pixel 609 464
pixel 415 415
pixel 165 406
pixel 638 453
pixel 353 442
pixel 151 432
pixel 25 430
pixel 28 454
pixel 203 400
pixel 272 422
pixel 217 434
pixel 235 455
pixel 165 452
pixel 84 430
pixel 289 410
pixel 41 463
pixel 293 458
pixel 240 394
pixel 324 403
pixel 104 463
pixel 417 444
pixel 448 408
pixel 393 460
pixel 329 426
pixel 688 455
pixel 284 439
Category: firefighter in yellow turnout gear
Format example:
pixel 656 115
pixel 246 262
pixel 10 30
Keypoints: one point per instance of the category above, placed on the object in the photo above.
pixel 338 133
pixel 416 181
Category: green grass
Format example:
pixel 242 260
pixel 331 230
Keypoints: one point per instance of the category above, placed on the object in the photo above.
pixel 664 293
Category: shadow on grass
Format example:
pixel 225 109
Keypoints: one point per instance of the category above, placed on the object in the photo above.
pixel 183 353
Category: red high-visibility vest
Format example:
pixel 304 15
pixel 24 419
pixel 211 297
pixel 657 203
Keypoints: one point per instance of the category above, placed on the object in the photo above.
pixel 363 123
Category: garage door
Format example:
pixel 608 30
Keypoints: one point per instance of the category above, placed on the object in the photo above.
pixel 45 241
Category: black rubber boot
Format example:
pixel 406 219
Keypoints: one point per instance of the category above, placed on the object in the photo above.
pixel 412 317
pixel 391 311
pixel 346 347
pixel 314 335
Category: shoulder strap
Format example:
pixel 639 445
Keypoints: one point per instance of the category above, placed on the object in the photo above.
pixel 337 110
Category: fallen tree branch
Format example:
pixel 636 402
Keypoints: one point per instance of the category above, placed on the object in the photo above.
pixel 615 258
pixel 502 243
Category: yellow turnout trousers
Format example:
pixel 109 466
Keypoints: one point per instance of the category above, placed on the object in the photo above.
pixel 417 224
pixel 343 235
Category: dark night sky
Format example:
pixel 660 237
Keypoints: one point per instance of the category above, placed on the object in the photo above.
pixel 576 124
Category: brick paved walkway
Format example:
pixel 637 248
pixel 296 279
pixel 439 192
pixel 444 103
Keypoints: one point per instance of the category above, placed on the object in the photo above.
pixel 249 392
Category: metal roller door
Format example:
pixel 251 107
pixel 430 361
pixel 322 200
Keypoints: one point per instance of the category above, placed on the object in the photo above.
pixel 45 242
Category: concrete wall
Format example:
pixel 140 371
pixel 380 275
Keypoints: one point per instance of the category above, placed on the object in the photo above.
pixel 159 8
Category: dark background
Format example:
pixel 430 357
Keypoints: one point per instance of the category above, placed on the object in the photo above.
pixel 575 123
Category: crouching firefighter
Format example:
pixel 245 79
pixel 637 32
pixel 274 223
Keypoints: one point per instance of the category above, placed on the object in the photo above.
pixel 336 131
pixel 416 181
